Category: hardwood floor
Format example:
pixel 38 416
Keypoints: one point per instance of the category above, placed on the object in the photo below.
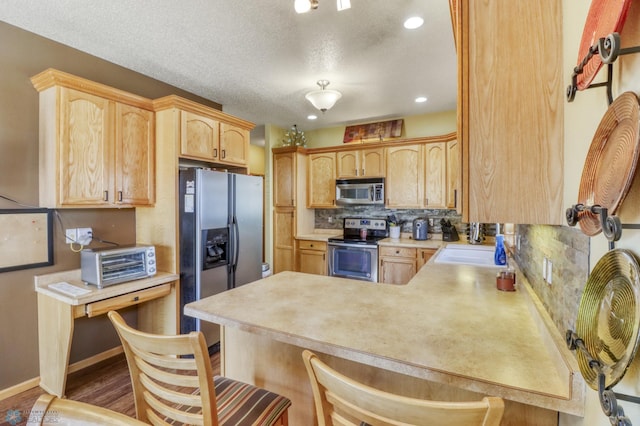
pixel 106 384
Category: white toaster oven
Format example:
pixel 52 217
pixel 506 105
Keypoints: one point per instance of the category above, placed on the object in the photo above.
pixel 108 266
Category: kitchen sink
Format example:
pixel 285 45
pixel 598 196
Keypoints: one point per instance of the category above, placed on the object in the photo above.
pixel 459 254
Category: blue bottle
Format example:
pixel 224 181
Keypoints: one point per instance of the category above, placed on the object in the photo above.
pixel 500 255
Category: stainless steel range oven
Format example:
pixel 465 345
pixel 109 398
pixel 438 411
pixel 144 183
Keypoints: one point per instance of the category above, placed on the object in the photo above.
pixel 355 255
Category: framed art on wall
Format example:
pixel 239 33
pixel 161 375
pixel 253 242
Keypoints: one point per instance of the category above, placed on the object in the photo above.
pixel 26 239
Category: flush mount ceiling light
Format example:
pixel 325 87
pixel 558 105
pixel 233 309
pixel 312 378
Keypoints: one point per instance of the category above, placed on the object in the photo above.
pixel 413 23
pixel 323 99
pixel 303 6
pixel 344 4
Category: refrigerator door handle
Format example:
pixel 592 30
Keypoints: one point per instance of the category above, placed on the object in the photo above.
pixel 236 235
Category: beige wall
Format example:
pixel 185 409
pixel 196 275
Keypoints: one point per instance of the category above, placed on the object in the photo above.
pixel 414 126
pixel 24 55
pixel 256 160
pixel 582 117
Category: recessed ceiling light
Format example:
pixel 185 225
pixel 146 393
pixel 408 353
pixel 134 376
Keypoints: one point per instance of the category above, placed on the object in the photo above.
pixel 311 117
pixel 421 99
pixel 413 23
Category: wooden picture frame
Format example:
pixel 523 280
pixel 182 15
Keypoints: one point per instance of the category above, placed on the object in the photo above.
pixel 26 239
pixel 382 130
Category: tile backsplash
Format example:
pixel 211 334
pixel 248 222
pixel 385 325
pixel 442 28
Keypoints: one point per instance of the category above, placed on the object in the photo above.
pixel 333 218
pixel 568 250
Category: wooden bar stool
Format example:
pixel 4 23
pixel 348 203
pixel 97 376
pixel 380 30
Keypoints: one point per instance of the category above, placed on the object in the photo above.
pixel 173 383
pixel 340 400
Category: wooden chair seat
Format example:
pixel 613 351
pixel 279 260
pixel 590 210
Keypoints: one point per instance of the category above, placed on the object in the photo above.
pixel 342 401
pixel 51 410
pixel 173 384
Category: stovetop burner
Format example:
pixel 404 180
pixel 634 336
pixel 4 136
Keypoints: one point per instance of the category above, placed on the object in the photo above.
pixel 363 231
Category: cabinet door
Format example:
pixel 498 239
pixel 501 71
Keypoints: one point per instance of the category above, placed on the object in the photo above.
pixel 423 257
pixel 283 240
pixel 313 262
pixel 405 176
pixel 397 270
pixel 134 156
pixel 453 174
pixel 321 184
pixel 511 125
pixel 372 162
pixel 85 164
pixel 284 180
pixel 234 144
pixel 435 175
pixel 199 136
pixel 347 164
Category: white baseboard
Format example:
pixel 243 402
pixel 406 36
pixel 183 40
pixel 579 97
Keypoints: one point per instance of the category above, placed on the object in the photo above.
pixel 76 366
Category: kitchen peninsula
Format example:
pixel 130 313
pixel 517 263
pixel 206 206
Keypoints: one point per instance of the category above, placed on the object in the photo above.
pixel 449 334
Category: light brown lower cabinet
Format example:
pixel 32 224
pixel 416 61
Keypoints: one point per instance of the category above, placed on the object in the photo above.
pixel 423 256
pixel 312 257
pixel 397 264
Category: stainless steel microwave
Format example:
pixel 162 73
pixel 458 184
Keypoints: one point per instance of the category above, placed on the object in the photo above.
pixel 359 191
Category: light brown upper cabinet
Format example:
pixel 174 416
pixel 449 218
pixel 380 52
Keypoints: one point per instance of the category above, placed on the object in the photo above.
pixel 321 181
pixel 234 144
pixel 209 135
pixel 284 179
pixel 404 177
pixel 199 136
pixel 510 101
pixel 360 163
pixel 97 144
pixel 134 155
pixel 453 174
pixel 204 138
pixel 435 175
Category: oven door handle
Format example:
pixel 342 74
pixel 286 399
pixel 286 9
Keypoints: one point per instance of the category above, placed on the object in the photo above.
pixel 362 246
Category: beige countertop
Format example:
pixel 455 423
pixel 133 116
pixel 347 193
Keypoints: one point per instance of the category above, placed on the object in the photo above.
pixel 405 240
pixel 449 325
pixel 91 293
pixel 320 234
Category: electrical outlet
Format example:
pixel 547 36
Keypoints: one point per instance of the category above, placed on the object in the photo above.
pixel 84 236
pixel 70 235
pixel 549 271
pixel 544 268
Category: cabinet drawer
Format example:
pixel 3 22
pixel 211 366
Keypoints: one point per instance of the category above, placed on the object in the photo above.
pixel 398 251
pixel 312 245
pixel 103 306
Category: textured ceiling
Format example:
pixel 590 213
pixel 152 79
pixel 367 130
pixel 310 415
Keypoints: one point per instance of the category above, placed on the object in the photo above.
pixel 258 58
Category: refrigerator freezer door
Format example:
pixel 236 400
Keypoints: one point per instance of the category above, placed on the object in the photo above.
pixel 212 199
pixel 212 281
pixel 247 235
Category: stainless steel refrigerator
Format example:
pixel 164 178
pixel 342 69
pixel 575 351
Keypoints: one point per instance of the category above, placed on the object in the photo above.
pixel 220 238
